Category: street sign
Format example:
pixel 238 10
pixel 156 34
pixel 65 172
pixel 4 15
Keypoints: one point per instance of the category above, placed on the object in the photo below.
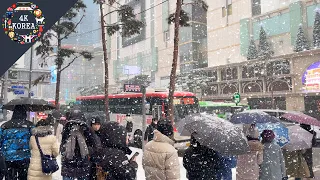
pixel 132 88
pixel 236 98
pixel 18 92
pixel 17 87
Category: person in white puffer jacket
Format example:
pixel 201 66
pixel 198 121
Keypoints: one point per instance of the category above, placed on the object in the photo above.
pixel 48 144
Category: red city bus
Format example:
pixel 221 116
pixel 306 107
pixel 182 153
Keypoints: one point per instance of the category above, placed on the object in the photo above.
pixel 131 103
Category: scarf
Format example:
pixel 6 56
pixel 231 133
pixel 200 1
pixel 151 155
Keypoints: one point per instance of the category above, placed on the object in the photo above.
pixel 76 136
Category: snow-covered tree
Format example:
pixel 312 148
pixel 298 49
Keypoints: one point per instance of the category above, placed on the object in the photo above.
pixel 264 51
pixel 252 50
pixel 301 41
pixel 196 79
pixel 316 30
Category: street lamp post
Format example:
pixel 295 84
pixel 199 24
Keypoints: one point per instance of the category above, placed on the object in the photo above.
pixel 144 123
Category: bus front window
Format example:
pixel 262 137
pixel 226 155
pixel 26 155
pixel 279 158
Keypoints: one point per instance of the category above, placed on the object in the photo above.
pixel 181 111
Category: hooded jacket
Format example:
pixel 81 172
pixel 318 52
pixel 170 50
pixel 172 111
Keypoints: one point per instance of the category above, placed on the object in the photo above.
pixel 49 146
pixel 15 136
pixel 112 156
pixel 160 159
pixel 248 164
pixel 78 166
pixel 273 166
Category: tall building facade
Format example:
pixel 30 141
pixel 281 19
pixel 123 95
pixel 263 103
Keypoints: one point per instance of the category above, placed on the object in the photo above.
pixel 81 72
pixel 150 52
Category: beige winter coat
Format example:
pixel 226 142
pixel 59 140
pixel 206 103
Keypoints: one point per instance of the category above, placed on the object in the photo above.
pixel 49 146
pixel 160 159
pixel 248 164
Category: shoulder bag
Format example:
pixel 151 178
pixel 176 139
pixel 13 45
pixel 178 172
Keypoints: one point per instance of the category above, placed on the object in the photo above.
pixel 48 162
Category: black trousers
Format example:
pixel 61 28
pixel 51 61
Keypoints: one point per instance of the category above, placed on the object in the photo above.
pixel 17 170
pixel 93 172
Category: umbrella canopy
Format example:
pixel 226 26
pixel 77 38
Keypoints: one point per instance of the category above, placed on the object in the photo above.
pixel 29 104
pixel 281 132
pixel 253 117
pixel 215 133
pixel 299 139
pixel 301 118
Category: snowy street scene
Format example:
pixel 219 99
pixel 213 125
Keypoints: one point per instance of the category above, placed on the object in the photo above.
pixel 162 90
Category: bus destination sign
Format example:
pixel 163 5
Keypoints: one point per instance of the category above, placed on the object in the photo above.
pixel 132 88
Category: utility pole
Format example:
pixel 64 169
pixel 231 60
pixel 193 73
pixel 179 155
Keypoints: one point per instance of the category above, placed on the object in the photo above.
pixel 30 77
pixel 144 119
pixel 30 72
pixel 5 94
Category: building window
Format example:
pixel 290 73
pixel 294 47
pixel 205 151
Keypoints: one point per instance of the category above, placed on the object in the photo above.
pixel 229 10
pixel 166 36
pixel 256 7
pixel 224 12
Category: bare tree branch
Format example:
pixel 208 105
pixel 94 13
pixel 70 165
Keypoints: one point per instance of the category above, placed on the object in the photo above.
pixel 70 63
pixel 67 34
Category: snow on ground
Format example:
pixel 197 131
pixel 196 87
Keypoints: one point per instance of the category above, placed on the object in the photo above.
pixel 140 172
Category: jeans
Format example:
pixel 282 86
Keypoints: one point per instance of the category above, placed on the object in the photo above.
pixel 72 178
pixel 17 170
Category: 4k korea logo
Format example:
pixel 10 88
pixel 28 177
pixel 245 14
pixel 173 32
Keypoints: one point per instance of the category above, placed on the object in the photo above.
pixel 23 22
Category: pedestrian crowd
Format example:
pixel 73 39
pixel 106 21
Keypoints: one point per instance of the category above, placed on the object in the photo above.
pixel 99 151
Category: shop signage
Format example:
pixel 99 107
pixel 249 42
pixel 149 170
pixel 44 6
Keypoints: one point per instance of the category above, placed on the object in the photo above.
pixel 311 77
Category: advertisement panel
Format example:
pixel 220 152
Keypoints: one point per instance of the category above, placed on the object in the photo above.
pixel 53 71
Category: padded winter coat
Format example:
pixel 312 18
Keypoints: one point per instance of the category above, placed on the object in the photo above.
pixel 49 146
pixel 14 139
pixel 273 165
pixel 248 164
pixel 202 163
pixel 160 159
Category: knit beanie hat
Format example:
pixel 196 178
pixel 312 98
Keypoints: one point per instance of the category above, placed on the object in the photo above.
pixel 267 136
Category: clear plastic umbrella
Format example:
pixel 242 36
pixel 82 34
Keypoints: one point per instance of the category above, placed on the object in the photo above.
pixel 299 139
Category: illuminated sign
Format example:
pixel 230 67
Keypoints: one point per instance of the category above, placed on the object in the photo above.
pixel 176 101
pixel 131 88
pixel 311 77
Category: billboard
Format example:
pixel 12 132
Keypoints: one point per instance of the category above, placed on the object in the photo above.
pixel 311 77
pixel 53 72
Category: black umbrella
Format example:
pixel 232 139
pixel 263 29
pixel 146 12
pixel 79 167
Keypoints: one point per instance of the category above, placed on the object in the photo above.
pixel 29 104
pixel 215 133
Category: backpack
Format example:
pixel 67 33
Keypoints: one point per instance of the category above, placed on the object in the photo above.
pixel 76 137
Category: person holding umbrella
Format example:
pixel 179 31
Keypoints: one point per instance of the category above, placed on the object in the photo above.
pixel 14 144
pixel 248 164
pixel 273 165
pixel 296 165
pixel 202 162
pixel 308 152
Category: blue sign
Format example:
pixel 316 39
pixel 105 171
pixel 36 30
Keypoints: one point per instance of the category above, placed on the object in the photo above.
pixel 17 87
pixel 31 93
pixel 18 92
pixel 53 74
pixel 66 96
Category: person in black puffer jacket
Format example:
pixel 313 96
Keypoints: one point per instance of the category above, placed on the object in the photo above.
pixel 201 162
pixel 112 156
pixel 77 142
